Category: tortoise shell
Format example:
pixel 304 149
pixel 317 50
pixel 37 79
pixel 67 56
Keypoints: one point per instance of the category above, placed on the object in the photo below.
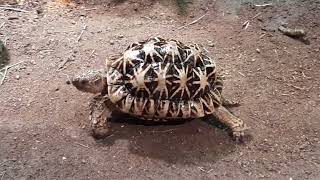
pixel 159 78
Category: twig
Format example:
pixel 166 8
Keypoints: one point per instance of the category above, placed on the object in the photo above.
pixel 82 145
pixel 256 15
pixel 92 52
pixel 5 40
pixel 64 63
pixel 206 50
pixel 246 23
pixel 242 74
pixel 3 175
pixel 262 35
pixel 6 71
pixel 300 88
pixel 201 168
pixel 14 9
pixel 2 24
pixel 305 75
pixel 90 9
pixel 193 22
pixel 4 75
pixel 210 170
pixel 10 66
pixel 83 29
pixel 263 5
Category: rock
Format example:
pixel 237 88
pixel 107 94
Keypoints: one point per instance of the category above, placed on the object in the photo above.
pixel 13 18
pixel 120 36
pixel 111 42
pixel 17 77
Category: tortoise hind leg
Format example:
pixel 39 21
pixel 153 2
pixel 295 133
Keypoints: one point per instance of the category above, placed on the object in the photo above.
pixel 235 124
pixel 99 115
pixel 229 103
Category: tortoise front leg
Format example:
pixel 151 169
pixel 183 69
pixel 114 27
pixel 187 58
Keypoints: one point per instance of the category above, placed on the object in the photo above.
pixel 235 124
pixel 99 115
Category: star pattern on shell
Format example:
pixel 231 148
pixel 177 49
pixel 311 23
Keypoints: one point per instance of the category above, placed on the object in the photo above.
pixel 194 52
pixel 203 80
pixel 150 50
pixel 138 79
pixel 183 80
pixel 171 48
pixel 162 79
pixel 208 102
pixel 127 59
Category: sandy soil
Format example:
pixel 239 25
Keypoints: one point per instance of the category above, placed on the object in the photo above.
pixel 44 131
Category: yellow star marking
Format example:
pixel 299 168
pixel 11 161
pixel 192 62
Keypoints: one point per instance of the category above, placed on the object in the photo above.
pixel 171 48
pixel 196 53
pixel 127 103
pixel 203 80
pixel 198 111
pixel 149 49
pixel 150 110
pixel 139 78
pixel 183 79
pixel 139 105
pixel 214 69
pixel 116 92
pixel 162 79
pixel 163 108
pixel 175 109
pixel 208 102
pixel 127 58
pixel 186 109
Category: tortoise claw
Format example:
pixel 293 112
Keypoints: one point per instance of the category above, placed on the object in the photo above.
pixel 238 133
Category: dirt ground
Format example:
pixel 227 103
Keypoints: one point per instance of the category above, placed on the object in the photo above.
pixel 44 128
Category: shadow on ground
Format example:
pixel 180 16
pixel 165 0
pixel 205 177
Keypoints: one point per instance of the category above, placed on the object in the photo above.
pixel 186 142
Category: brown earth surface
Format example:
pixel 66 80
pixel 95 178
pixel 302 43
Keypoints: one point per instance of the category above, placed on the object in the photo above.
pixel 44 128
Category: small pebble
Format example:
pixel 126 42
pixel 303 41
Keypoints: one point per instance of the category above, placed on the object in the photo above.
pixel 138 23
pixel 64 158
pixel 17 77
pixel 111 42
pixel 258 50
pixel 68 82
pixel 210 44
pixel 120 36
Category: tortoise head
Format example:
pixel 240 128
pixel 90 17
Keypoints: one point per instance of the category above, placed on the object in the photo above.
pixel 92 81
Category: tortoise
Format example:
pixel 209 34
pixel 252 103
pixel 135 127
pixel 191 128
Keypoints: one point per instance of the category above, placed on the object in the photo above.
pixel 157 79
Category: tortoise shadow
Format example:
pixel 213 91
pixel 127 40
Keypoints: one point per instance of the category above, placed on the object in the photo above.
pixel 184 142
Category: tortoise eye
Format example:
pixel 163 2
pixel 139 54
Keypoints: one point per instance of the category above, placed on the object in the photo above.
pixel 84 81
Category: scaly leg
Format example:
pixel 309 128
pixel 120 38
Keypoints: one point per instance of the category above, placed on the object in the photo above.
pixel 235 124
pixel 229 103
pixel 99 115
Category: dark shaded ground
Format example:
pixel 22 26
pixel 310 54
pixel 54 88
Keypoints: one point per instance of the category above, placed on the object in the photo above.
pixel 44 131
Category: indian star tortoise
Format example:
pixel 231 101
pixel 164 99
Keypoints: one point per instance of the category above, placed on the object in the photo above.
pixel 160 80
